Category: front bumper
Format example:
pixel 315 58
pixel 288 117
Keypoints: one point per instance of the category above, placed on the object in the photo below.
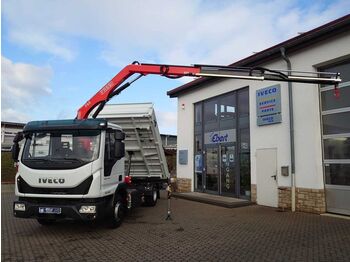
pixel 69 208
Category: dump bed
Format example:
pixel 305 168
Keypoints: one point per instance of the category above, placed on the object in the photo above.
pixel 139 123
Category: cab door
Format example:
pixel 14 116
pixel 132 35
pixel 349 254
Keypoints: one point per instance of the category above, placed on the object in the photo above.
pixel 113 168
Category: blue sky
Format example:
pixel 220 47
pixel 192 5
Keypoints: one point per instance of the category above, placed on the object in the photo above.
pixel 57 54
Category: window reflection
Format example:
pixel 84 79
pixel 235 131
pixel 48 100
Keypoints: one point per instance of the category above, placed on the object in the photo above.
pixel 337 148
pixel 338 174
pixel 211 110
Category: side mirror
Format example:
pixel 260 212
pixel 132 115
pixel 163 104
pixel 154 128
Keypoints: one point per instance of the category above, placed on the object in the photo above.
pixel 119 135
pixel 18 137
pixel 15 147
pixel 15 152
pixel 119 148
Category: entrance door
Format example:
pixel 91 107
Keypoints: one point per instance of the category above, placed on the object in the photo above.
pixel 266 172
pixel 212 168
pixel 228 166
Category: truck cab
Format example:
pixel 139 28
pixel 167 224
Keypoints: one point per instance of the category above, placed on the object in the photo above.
pixel 71 169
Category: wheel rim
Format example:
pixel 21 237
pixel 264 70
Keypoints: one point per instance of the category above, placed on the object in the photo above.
pixel 117 211
pixel 154 196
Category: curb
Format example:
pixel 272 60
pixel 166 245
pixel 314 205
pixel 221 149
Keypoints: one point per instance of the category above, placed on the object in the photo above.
pixel 212 202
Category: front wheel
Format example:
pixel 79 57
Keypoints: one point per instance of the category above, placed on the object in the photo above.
pixel 118 213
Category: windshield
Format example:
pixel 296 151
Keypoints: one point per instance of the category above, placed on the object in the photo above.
pixel 61 149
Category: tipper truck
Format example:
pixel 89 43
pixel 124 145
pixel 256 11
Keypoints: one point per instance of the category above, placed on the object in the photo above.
pixel 89 168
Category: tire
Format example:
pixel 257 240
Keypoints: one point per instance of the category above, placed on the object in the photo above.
pixel 152 199
pixel 117 213
pixel 46 222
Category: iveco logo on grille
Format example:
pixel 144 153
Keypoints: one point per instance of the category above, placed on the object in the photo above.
pixel 51 180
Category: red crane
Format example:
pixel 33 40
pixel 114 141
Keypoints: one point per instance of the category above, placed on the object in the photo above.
pixel 114 86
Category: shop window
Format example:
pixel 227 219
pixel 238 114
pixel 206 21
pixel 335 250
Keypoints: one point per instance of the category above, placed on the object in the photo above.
pixel 198 143
pixel 343 69
pixel 336 128
pixel 337 148
pixel 336 123
pixel 337 174
pixel 228 106
pixel 211 110
pixel 243 102
pixel 243 108
pixel 198 113
pixel 198 162
pixel 329 102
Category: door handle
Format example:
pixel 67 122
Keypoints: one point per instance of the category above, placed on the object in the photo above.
pixel 274 177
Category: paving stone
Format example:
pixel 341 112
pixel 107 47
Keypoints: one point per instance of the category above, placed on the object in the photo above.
pixel 197 232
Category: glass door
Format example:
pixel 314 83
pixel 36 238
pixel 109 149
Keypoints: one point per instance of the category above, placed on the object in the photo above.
pixel 212 169
pixel 228 166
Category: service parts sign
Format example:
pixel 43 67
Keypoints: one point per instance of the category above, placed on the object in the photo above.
pixel 268 105
pixel 217 137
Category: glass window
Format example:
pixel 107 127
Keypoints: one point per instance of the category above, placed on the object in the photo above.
pixel 336 123
pixel 245 140
pixel 329 101
pixel 337 174
pixel 228 106
pixel 40 145
pixel 198 113
pixel 243 102
pixel 243 108
pixel 343 69
pixel 61 149
pixel 337 148
pixel 211 110
pixel 244 167
pixel 198 143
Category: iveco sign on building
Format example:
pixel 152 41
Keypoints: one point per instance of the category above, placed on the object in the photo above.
pixel 268 105
pixel 277 144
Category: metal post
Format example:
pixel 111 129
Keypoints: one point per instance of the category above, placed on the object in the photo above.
pixel 168 217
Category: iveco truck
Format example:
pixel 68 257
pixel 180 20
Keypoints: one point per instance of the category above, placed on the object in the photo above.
pixel 90 169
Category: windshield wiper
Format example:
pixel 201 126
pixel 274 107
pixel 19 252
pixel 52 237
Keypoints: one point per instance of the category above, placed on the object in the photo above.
pixel 73 159
pixel 38 159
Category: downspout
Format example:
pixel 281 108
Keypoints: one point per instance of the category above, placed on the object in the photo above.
pixel 291 128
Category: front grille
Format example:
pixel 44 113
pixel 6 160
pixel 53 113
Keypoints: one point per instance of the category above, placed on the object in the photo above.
pixel 81 189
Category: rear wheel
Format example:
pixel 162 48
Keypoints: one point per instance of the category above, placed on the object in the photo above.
pixel 46 221
pixel 118 212
pixel 151 200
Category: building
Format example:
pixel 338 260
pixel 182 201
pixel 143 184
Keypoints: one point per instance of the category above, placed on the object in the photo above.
pixel 8 132
pixel 169 141
pixel 234 147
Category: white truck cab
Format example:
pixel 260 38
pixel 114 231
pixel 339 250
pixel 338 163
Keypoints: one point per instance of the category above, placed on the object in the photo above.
pixel 71 169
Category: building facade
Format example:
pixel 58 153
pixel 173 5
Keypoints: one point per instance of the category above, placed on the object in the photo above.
pixel 8 132
pixel 236 146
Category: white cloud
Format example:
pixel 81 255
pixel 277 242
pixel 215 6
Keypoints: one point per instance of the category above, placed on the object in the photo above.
pixel 181 31
pixel 21 85
pixel 176 32
pixel 43 42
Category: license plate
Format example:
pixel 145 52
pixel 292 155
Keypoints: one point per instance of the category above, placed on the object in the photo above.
pixel 49 210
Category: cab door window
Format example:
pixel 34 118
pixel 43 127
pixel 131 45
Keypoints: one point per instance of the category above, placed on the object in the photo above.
pixel 109 159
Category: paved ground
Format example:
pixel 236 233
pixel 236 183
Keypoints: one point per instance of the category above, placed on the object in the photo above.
pixel 198 232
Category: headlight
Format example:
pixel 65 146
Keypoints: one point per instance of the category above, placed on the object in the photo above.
pixel 20 207
pixel 87 209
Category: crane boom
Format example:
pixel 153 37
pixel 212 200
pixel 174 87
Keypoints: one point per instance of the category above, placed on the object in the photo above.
pixel 114 86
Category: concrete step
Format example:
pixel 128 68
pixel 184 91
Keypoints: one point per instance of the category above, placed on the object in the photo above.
pixel 216 200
